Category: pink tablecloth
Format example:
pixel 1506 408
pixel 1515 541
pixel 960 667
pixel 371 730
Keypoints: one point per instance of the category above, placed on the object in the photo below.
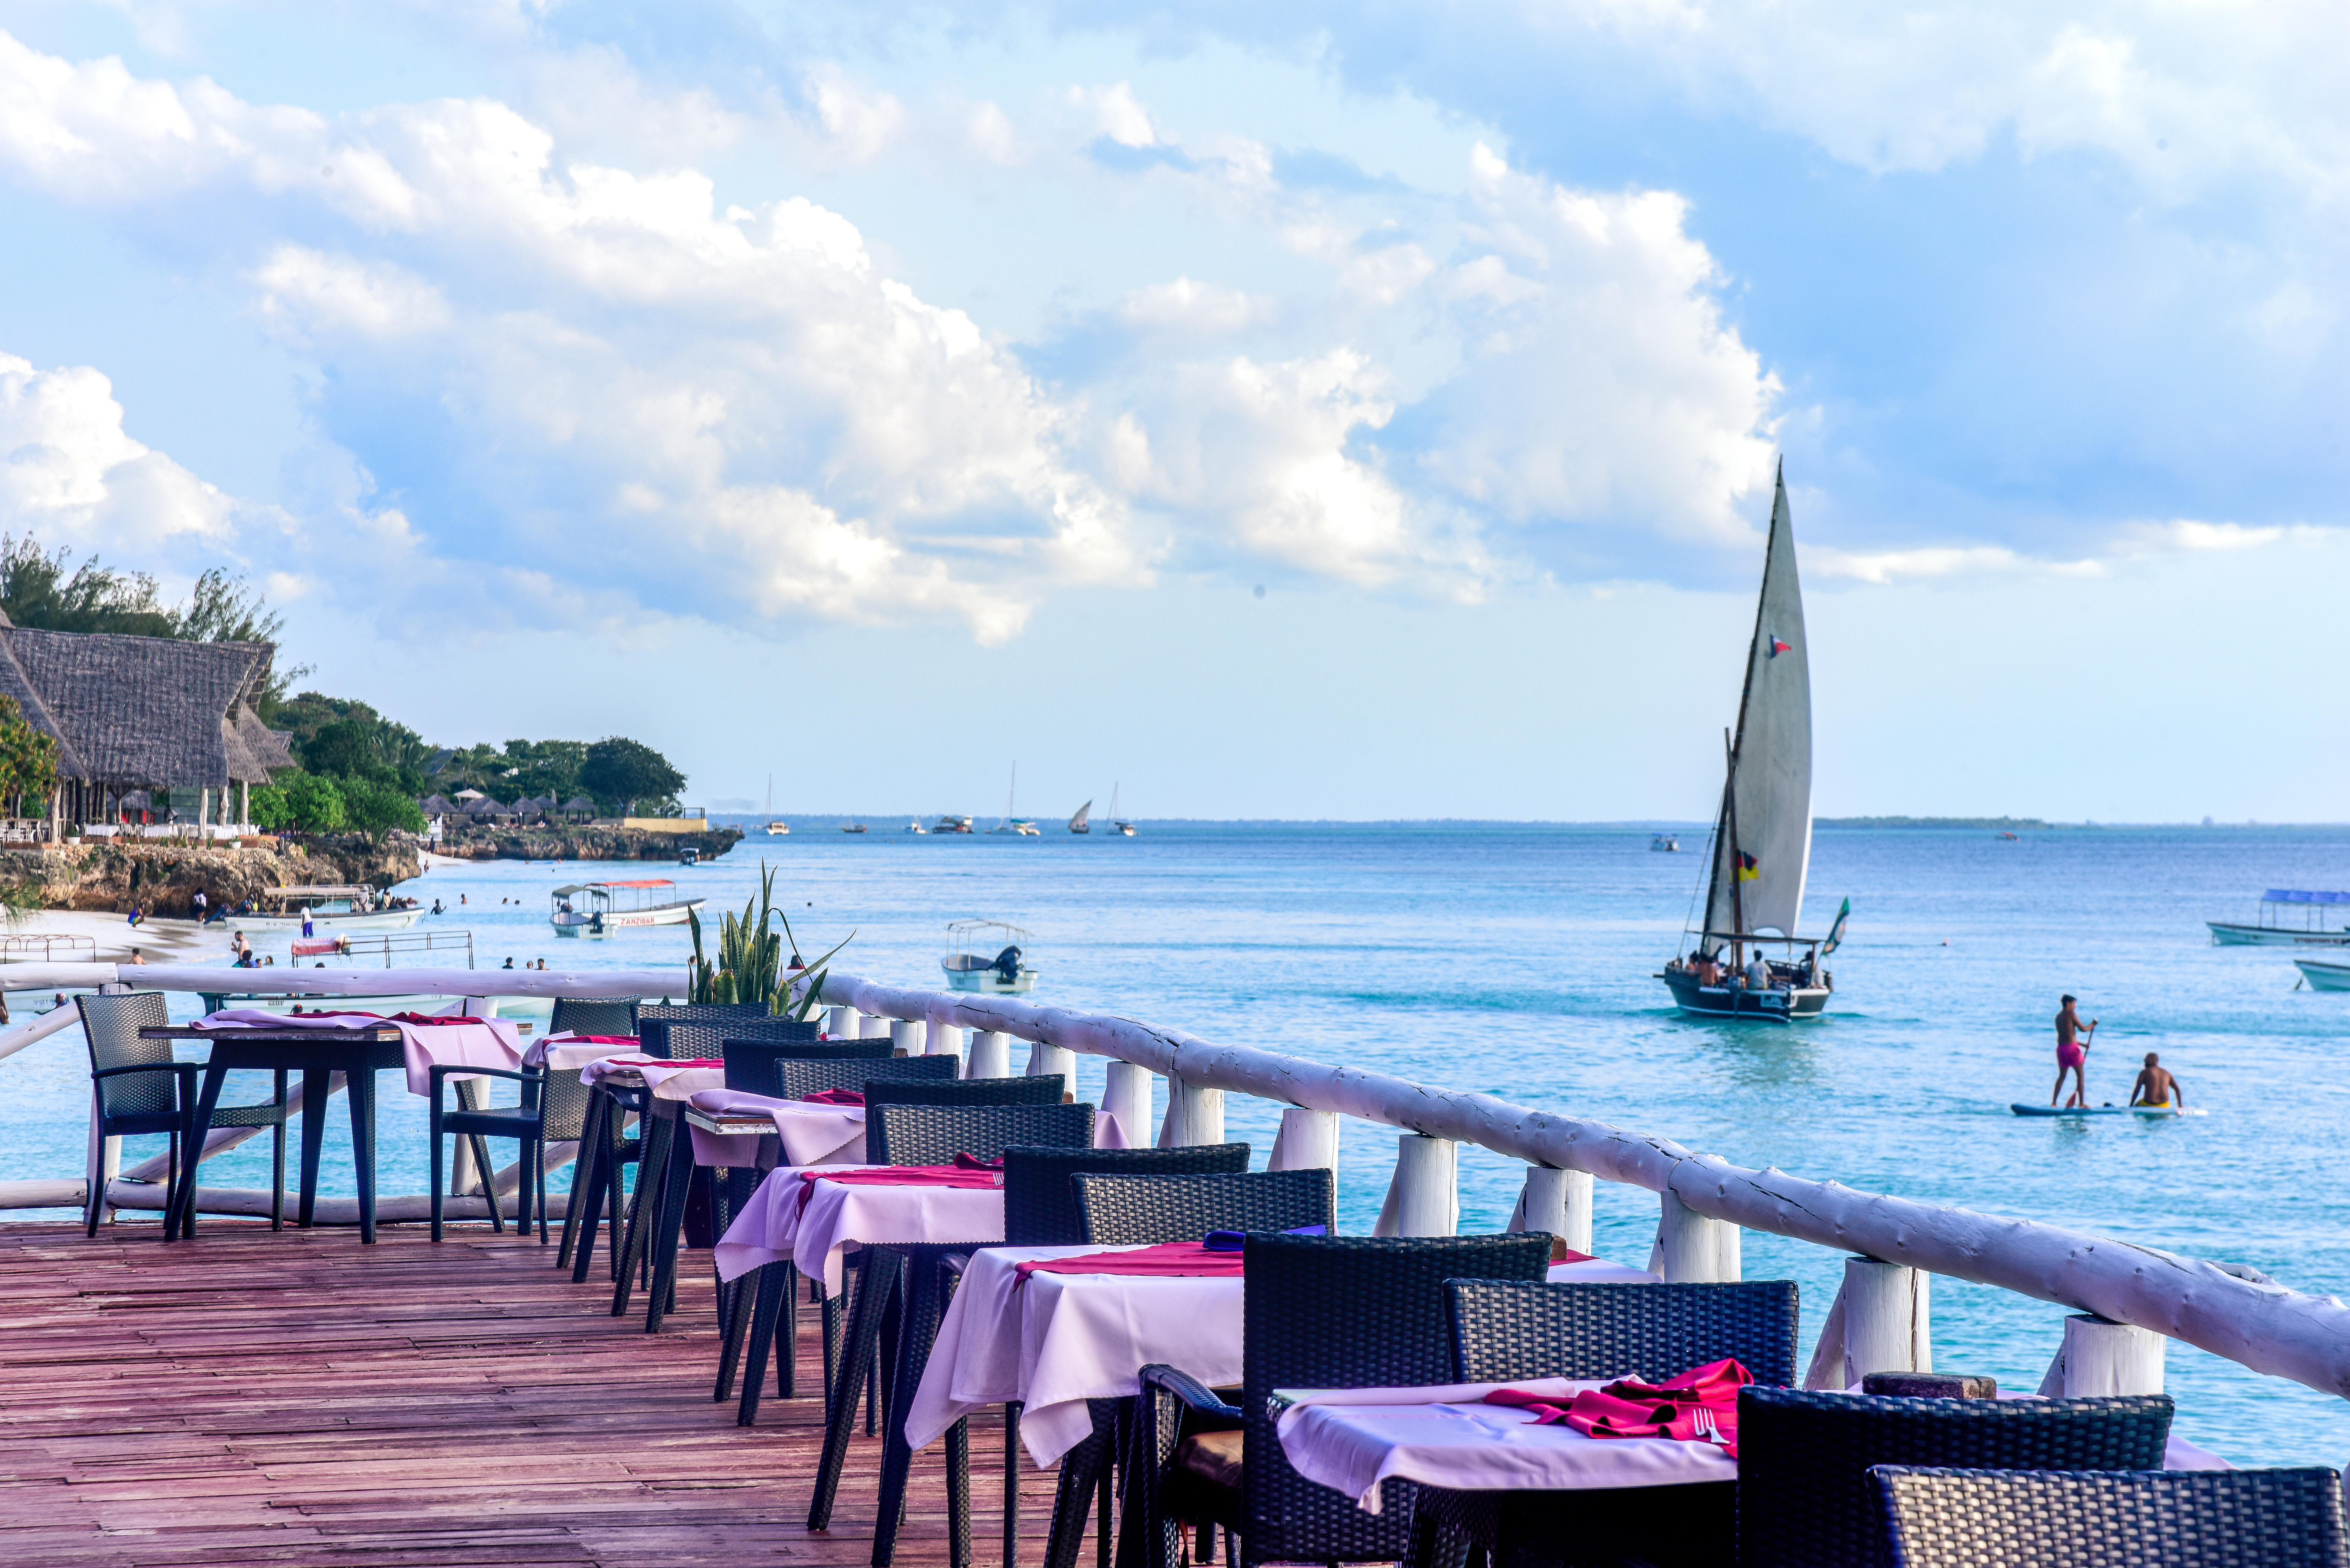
pixel 811 1134
pixel 568 1052
pixel 774 1226
pixel 668 1080
pixel 482 1042
pixel 1062 1339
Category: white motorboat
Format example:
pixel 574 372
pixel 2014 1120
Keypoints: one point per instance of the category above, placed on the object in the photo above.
pixel 952 823
pixel 1761 846
pixel 988 956
pixel 335 909
pixel 775 829
pixel 1118 823
pixel 2269 927
pixel 1019 826
pixel 1083 821
pixel 599 908
pixel 916 826
pixel 1664 844
pixel 2323 974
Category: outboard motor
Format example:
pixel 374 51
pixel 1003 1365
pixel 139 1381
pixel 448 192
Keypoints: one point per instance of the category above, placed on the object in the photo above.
pixel 1007 966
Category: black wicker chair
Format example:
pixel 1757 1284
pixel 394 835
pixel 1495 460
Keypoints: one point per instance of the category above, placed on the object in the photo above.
pixel 1046 1089
pixel 921 1135
pixel 140 1090
pixel 2089 1519
pixel 1332 1311
pixel 798 1078
pixel 1502 1331
pixel 553 1108
pixel 751 1064
pixel 1140 1211
pixel 1804 1500
pixel 594 1015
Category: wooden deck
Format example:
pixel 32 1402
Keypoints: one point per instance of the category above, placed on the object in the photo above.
pixel 297 1399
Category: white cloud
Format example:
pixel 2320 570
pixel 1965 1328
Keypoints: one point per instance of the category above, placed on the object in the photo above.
pixel 1202 309
pixel 1117 114
pixel 307 292
pixel 2132 541
pixel 71 475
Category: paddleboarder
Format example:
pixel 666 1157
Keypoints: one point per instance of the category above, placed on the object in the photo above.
pixel 2073 1038
pixel 2157 1085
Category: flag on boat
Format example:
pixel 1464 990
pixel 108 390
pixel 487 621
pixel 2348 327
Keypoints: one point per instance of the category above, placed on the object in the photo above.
pixel 1749 868
pixel 1779 645
pixel 1836 932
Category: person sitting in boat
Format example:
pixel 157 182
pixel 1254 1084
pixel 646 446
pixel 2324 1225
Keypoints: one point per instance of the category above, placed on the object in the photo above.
pixel 1709 972
pixel 1758 974
pixel 2157 1085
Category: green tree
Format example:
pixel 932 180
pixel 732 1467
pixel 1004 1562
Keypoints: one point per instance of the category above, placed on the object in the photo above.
pixel 373 806
pixel 300 802
pixel 622 773
pixel 28 759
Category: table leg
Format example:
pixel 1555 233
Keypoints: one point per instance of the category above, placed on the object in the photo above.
pixel 590 1169
pixel 192 1154
pixel 883 1265
pixel 918 1329
pixel 676 1185
pixel 1012 1485
pixel 652 1182
pixel 759 1297
pixel 359 1088
pixel 317 1089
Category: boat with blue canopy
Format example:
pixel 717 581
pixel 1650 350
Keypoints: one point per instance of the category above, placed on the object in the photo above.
pixel 2291 917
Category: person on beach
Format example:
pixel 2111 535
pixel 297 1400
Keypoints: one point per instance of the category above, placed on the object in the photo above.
pixel 200 901
pixel 137 957
pixel 2073 1038
pixel 2157 1085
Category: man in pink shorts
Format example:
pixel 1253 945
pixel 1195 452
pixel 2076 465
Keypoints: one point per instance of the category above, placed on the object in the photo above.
pixel 2073 1038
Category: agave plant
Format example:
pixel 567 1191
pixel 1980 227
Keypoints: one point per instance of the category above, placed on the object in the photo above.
pixel 750 965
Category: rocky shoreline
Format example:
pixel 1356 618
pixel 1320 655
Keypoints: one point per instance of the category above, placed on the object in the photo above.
pixel 161 876
pixel 581 841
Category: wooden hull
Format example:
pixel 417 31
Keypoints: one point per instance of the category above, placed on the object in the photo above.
pixel 2229 936
pixel 1737 1004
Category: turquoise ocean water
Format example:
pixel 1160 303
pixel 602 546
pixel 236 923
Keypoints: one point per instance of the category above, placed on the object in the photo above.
pixel 1517 960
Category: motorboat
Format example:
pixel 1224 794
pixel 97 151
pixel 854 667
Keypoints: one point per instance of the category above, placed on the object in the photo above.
pixel 775 829
pixel 331 909
pixel 599 908
pixel 2269 927
pixel 1118 823
pixel 954 825
pixel 2323 974
pixel 1664 844
pixel 689 856
pixel 1081 821
pixel 853 827
pixel 779 829
pixel 916 826
pixel 988 956
pixel 1746 963
pixel 1018 826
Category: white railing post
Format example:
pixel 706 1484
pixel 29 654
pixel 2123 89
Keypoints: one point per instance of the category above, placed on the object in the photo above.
pixel 1125 1098
pixel 991 1054
pixel 1881 1321
pixel 906 1034
pixel 1308 1141
pixel 1044 1060
pixel 1692 1249
pixel 1424 1198
pixel 2101 1358
pixel 840 1023
pixel 942 1039
pixel 1558 1201
pixel 1195 1115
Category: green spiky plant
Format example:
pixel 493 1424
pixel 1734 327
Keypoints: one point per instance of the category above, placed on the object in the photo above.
pixel 750 967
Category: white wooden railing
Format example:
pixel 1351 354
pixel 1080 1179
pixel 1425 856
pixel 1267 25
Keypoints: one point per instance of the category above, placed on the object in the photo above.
pixel 2132 1298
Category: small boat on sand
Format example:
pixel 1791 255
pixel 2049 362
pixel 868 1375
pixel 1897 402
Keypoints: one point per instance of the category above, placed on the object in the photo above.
pixel 2270 926
pixel 988 956
pixel 599 908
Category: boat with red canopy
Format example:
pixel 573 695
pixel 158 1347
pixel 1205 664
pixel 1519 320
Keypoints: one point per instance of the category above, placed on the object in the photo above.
pixel 597 909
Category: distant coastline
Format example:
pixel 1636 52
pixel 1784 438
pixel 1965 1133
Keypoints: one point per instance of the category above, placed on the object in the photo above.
pixel 1996 824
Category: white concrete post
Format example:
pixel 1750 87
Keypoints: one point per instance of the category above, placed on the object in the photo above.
pixel 906 1034
pixel 1126 1095
pixel 942 1039
pixel 204 808
pixel 1558 1201
pixel 1195 1115
pixel 2106 1358
pixel 840 1023
pixel 1044 1059
pixel 1692 1249
pixel 1887 1326
pixel 1307 1140
pixel 1424 1198
pixel 244 805
pixel 991 1054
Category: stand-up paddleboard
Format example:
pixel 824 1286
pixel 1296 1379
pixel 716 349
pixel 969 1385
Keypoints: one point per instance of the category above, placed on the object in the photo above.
pixel 2104 1111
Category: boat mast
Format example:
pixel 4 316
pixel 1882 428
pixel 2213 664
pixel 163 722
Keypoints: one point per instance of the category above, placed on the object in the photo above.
pixel 1730 834
pixel 1745 696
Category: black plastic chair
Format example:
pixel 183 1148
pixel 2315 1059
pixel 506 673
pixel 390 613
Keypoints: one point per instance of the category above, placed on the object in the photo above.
pixel 2088 1519
pixel 751 1064
pixel 553 1108
pixel 1046 1089
pixel 1334 1312
pixel 1804 1499
pixel 1502 1331
pixel 140 1090
pixel 921 1135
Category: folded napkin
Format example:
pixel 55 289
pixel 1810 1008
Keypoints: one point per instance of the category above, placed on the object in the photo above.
pixel 1233 1241
pixel 903 1176
pixel 259 1018
pixel 671 1064
pixel 434 1018
pixel 1169 1259
pixel 568 1038
pixel 835 1097
pixel 1700 1406
pixel 972 1162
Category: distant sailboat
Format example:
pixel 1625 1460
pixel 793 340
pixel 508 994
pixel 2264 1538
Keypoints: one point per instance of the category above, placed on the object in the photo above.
pixel 1081 821
pixel 775 829
pixel 1009 823
pixel 1763 839
pixel 1118 823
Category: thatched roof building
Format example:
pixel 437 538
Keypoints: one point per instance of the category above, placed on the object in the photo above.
pixel 142 712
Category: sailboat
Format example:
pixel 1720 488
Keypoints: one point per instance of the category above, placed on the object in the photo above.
pixel 1761 846
pixel 1118 825
pixel 1009 823
pixel 1081 821
pixel 775 829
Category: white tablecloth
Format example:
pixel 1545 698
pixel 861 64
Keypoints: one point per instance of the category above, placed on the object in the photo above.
pixel 486 1042
pixel 668 1080
pixel 1062 1339
pixel 811 1134
pixel 839 1215
pixel 567 1052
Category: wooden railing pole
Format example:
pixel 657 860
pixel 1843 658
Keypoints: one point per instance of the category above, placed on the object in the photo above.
pixel 1044 1059
pixel 1127 1096
pixel 1307 1140
pixel 840 1023
pixel 1195 1115
pixel 906 1034
pixel 941 1038
pixel 1558 1201
pixel 991 1054
pixel 1424 1198
pixel 2101 1358
pixel 1692 1247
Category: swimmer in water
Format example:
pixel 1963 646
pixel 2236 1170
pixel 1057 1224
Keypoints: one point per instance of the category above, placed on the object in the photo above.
pixel 2157 1085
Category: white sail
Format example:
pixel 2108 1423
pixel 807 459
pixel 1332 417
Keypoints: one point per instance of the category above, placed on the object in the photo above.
pixel 1763 848
pixel 1078 823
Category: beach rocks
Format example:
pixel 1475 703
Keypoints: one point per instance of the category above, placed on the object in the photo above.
pixel 162 877
pixel 581 841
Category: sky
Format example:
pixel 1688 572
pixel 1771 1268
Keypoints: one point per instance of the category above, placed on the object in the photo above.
pixel 1302 410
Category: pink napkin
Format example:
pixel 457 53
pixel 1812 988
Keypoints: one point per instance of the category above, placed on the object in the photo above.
pixel 835 1097
pixel 1169 1259
pixel 903 1176
pixel 1700 1406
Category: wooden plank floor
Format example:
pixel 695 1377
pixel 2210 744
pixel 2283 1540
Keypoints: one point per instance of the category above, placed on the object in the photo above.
pixel 298 1399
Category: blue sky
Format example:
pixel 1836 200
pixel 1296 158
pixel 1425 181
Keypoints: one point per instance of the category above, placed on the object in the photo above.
pixel 1302 410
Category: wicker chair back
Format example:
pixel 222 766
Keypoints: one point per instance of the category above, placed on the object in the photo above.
pixel 1123 1210
pixel 594 1015
pixel 1040 1199
pixel 751 1064
pixel 1043 1090
pixel 690 1039
pixel 797 1077
pixel 1507 1330
pixel 1340 1312
pixel 934 1134
pixel 563 1108
pixel 699 1012
pixel 2088 1519
pixel 112 1024
pixel 1804 1499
